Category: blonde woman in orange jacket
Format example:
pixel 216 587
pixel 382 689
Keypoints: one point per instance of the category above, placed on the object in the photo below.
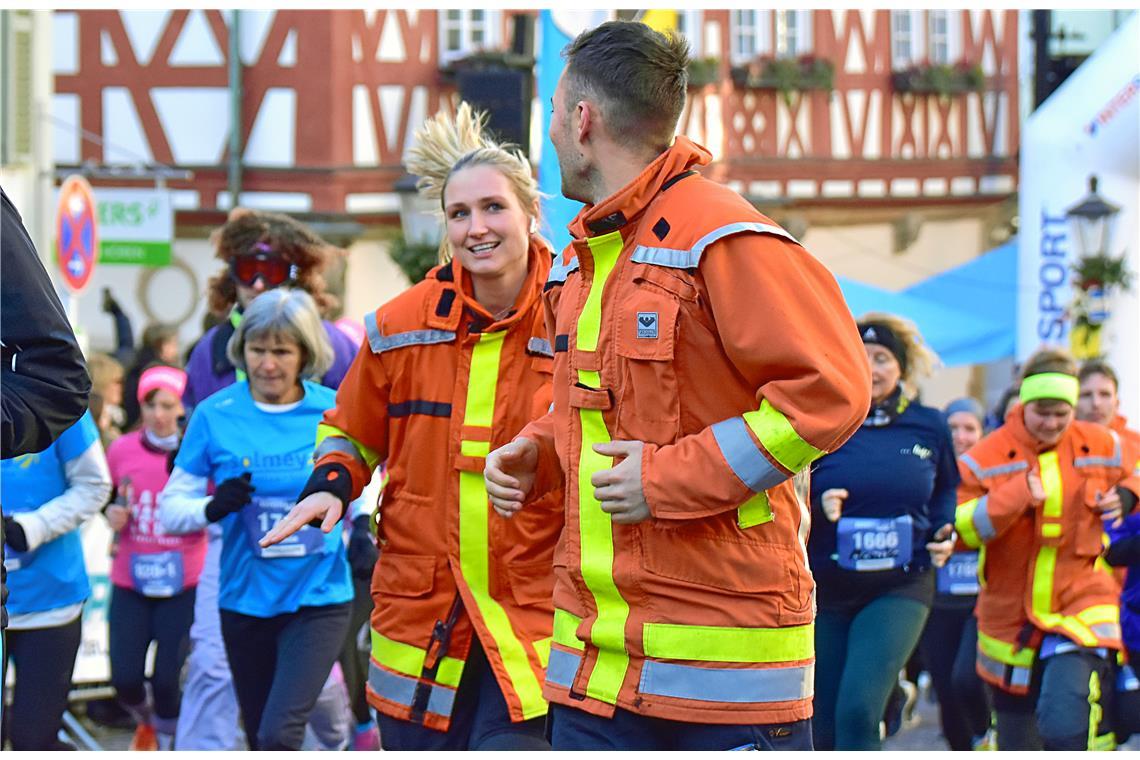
pixel 1033 499
pixel 453 367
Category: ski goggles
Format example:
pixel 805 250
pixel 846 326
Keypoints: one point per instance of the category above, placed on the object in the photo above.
pixel 271 268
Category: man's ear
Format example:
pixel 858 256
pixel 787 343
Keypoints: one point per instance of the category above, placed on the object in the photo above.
pixel 587 120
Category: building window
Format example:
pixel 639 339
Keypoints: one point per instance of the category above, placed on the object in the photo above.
pixel 692 29
pixel 749 34
pixel 462 32
pixel 939 25
pixel 793 33
pixel 908 43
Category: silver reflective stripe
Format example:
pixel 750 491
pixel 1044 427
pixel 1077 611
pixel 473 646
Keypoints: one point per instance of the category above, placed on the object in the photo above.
pixel 745 685
pixel 678 258
pixel 982 524
pixel 562 667
pixel 992 472
pixel 752 467
pixel 381 343
pixel 559 272
pixel 402 690
pixel 1113 461
pixel 1106 630
pixel 1017 677
pixel 539 346
pixel 336 443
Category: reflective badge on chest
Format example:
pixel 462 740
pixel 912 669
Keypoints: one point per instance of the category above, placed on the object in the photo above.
pixel 874 543
pixel 647 325
pixel 959 576
pixel 262 514
pixel 157 575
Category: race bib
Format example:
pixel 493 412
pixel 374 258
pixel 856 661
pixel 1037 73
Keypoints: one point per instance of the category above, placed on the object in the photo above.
pixel 157 575
pixel 262 514
pixel 959 576
pixel 874 543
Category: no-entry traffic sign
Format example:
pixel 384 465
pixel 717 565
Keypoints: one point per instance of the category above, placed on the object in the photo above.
pixel 76 232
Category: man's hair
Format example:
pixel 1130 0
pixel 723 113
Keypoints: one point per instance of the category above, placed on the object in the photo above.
pixel 636 75
pixel 1098 367
pixel 1049 360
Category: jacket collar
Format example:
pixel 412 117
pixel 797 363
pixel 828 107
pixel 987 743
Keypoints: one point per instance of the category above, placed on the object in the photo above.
pixel 457 293
pixel 626 204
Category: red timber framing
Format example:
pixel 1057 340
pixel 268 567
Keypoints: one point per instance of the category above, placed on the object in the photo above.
pixel 360 81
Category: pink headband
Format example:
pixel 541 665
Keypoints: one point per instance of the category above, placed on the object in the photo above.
pixel 167 378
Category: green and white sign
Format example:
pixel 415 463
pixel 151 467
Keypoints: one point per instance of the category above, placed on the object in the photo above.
pixel 136 226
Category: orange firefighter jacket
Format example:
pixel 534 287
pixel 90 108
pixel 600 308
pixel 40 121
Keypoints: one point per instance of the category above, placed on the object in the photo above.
pixel 683 318
pixel 1129 439
pixel 438 385
pixel 1037 565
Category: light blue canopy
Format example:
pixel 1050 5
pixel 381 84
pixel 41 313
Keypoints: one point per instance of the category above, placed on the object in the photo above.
pixel 966 314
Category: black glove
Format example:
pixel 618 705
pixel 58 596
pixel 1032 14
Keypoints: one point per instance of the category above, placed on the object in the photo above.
pixel 14 535
pixel 362 551
pixel 110 305
pixel 230 496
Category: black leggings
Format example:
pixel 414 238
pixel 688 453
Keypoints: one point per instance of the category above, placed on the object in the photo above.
pixel 44 659
pixel 353 660
pixel 949 645
pixel 134 621
pixel 279 666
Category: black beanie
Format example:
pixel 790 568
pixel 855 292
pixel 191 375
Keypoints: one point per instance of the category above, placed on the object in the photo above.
pixel 882 335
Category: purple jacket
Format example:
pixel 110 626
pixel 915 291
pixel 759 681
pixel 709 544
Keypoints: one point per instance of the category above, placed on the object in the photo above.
pixel 209 369
pixel 1124 551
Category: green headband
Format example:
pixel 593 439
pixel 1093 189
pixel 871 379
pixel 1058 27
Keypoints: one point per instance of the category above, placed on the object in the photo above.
pixel 1051 385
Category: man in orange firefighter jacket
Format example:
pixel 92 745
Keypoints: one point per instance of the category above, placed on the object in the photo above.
pixel 453 367
pixel 1033 498
pixel 1099 402
pixel 702 358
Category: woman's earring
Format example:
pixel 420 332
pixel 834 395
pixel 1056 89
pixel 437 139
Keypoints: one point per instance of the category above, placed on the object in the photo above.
pixel 533 225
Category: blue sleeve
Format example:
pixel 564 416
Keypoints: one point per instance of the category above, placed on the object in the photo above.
pixel 194 453
pixel 944 499
pixel 77 438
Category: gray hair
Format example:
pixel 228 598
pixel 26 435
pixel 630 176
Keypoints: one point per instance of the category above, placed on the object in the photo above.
pixel 286 312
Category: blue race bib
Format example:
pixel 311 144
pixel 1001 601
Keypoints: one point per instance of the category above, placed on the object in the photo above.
pixel 157 575
pixel 959 576
pixel 874 543
pixel 262 514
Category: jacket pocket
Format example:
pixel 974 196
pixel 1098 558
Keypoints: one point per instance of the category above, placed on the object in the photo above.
pixel 409 575
pixel 688 557
pixel 649 403
pixel 532 583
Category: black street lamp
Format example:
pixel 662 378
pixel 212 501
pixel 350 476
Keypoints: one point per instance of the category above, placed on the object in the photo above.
pixel 1093 220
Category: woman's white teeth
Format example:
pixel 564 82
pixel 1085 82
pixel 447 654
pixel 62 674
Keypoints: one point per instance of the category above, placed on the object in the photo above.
pixel 482 247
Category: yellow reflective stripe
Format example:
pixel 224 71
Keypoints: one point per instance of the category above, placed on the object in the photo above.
pixel 1045 566
pixel 605 250
pixel 964 523
pixel 565 627
pixel 1096 712
pixel 474 531
pixel 1051 530
pixel 1004 652
pixel 474 448
pixel 780 439
pixel 370 456
pixel 542 649
pixel 705 643
pixel 595 526
pixel 409 660
pixel 1100 613
pixel 755 511
pixel 1051 481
